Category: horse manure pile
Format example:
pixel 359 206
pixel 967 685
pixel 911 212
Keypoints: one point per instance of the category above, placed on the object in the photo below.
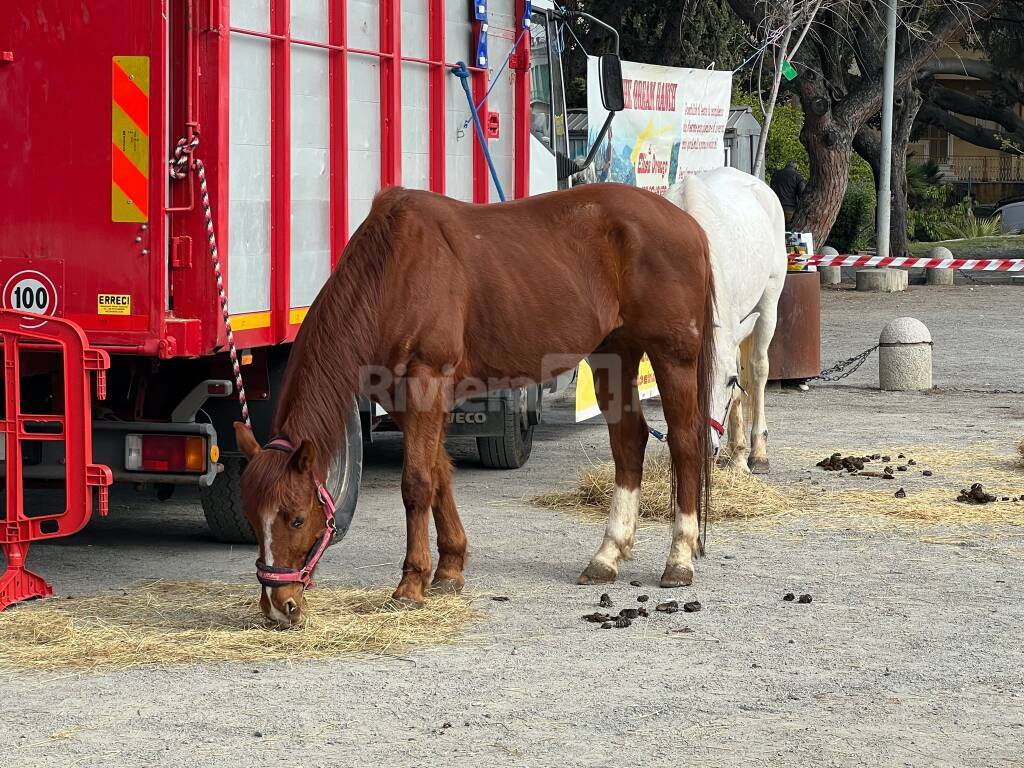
pixel 735 495
pixel 976 494
pixel 627 616
pixel 189 623
pixel 857 465
pixel 837 463
pixel 950 486
pixel 804 599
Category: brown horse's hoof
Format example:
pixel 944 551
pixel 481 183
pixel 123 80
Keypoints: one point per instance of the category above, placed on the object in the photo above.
pixel 445 586
pixel 758 466
pixel 597 573
pixel 677 576
pixel 396 604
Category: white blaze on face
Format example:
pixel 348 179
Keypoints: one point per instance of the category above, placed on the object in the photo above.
pixel 268 558
pixel 268 539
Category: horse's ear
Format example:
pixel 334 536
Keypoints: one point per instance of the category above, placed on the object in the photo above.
pixel 246 440
pixel 302 459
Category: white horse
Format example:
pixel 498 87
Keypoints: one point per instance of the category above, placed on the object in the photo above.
pixel 746 230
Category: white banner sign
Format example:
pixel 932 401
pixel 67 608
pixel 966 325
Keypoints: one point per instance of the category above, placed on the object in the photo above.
pixel 673 124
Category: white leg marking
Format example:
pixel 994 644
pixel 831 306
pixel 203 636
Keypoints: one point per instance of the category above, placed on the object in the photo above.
pixel 618 537
pixel 684 536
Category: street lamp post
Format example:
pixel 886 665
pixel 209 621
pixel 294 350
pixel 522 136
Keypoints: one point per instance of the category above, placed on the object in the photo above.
pixel 885 165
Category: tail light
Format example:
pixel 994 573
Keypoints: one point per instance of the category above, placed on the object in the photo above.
pixel 165 453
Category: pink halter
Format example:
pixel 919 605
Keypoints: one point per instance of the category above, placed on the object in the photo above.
pixel 271 576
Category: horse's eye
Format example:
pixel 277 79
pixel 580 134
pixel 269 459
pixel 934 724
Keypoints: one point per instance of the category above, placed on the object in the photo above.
pixel 298 522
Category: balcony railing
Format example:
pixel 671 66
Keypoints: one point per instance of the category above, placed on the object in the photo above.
pixel 1004 168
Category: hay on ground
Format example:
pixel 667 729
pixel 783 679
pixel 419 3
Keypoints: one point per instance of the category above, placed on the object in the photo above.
pixel 833 498
pixel 735 495
pixel 188 622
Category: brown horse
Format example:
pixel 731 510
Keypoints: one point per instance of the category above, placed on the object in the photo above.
pixel 441 300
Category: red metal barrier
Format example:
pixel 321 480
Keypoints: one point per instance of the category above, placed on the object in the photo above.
pixel 20 333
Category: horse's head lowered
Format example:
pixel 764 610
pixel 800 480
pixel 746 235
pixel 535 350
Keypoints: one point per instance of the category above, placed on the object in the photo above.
pixel 292 514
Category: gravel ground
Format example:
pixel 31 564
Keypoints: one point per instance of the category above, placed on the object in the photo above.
pixel 909 655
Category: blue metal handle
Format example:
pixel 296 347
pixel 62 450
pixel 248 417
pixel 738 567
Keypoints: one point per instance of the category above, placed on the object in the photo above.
pixel 461 72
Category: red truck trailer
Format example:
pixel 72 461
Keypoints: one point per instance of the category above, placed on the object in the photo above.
pixel 299 110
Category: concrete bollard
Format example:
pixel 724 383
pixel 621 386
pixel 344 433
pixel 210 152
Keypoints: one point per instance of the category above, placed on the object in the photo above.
pixel 905 355
pixel 882 280
pixel 939 275
pixel 830 275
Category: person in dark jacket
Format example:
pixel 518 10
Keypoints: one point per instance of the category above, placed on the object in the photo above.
pixel 788 185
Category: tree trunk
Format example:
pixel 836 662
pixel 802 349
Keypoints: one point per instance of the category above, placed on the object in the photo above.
pixel 829 146
pixel 868 144
pixel 906 114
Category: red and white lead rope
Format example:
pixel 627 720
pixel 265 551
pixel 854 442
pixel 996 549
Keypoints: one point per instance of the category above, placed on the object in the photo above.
pixel 977 265
pixel 179 169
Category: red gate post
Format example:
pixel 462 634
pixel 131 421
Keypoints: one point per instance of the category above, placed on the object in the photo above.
pixel 74 428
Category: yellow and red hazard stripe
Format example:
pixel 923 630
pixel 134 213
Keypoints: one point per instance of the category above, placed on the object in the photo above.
pixel 129 166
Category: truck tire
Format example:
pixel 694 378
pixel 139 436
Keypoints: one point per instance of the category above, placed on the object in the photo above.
pixel 512 449
pixel 222 504
pixel 222 501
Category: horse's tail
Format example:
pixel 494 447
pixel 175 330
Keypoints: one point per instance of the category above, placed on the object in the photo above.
pixel 340 334
pixel 705 373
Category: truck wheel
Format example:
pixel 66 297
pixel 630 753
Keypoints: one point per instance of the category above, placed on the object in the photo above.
pixel 222 501
pixel 512 449
pixel 222 504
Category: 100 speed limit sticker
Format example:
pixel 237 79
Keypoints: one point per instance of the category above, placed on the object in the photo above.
pixel 31 292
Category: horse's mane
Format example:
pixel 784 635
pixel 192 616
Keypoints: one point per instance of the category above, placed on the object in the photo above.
pixel 338 337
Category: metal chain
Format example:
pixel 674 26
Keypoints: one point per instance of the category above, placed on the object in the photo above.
pixel 987 391
pixel 180 166
pixel 970 278
pixel 844 368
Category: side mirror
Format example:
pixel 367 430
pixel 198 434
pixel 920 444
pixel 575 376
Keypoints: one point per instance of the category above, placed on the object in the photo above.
pixel 610 69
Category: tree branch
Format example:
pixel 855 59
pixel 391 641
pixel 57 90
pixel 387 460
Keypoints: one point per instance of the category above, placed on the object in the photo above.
pixel 980 70
pixel 973 134
pixel 963 104
pixel 866 99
